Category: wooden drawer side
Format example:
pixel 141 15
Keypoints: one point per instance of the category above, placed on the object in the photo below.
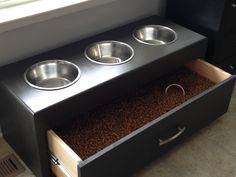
pixel 208 71
pixel 64 153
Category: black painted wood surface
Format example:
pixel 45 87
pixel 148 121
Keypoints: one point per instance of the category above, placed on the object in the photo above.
pixel 39 111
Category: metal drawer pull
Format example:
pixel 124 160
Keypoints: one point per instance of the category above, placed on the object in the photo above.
pixel 181 131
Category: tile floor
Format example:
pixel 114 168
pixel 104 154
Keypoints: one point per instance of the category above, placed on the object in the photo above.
pixel 209 153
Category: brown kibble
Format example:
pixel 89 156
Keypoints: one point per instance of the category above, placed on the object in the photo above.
pixel 109 123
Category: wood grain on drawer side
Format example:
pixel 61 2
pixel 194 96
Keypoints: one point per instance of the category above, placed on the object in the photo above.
pixel 64 153
pixel 208 71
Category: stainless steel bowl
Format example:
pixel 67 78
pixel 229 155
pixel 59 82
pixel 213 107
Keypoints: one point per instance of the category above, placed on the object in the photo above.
pixel 155 35
pixel 52 74
pixel 109 52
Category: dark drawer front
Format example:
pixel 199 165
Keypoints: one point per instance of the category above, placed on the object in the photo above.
pixel 228 47
pixel 230 17
pixel 135 152
pixel 142 148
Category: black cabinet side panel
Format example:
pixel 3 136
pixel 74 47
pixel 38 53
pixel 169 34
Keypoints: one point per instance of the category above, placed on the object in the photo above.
pixel 18 129
pixel 202 16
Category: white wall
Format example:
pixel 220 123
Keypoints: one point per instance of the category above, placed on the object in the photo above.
pixel 37 38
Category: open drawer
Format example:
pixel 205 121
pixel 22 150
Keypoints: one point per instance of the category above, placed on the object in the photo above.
pixel 142 143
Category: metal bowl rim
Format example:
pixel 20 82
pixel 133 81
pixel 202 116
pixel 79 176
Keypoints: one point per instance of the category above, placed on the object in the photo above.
pixel 109 41
pixel 50 61
pixel 155 26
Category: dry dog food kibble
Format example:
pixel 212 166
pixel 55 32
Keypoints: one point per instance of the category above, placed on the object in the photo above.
pixel 100 128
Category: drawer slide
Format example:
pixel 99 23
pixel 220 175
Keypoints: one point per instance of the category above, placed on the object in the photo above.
pixel 57 168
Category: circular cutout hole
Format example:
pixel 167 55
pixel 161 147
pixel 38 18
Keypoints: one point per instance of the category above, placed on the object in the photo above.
pixel 52 74
pixel 155 35
pixel 109 52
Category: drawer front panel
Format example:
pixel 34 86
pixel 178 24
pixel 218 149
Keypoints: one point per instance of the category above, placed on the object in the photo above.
pixel 144 147
pixel 133 153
